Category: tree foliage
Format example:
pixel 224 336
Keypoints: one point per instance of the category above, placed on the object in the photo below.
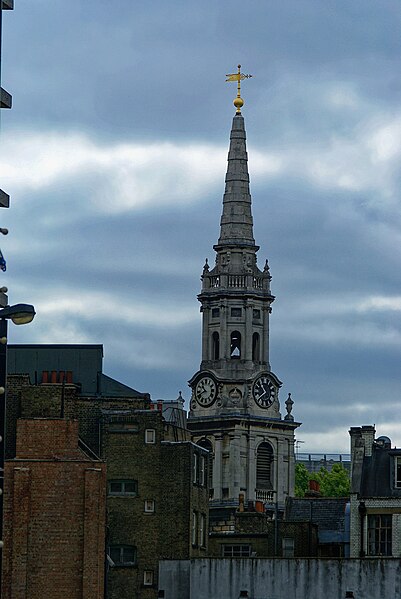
pixel 333 483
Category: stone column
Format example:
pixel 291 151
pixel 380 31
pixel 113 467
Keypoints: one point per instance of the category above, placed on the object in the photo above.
pixel 251 474
pixel 248 332
pixel 205 332
pixel 264 347
pixel 224 342
pixel 235 441
pixel 217 482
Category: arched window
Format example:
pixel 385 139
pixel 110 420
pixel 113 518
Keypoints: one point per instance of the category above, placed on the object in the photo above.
pixel 215 346
pixel 264 460
pixel 235 347
pixel 255 347
pixel 206 444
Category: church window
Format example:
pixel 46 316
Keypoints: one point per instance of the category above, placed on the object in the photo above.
pixel 256 347
pixel 235 347
pixel 236 312
pixel 215 346
pixel 215 312
pixel 123 555
pixel 379 534
pixel 123 487
pixel 256 314
pixel 264 459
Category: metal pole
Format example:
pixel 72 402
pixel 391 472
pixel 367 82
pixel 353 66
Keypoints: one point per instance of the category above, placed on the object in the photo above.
pixel 3 377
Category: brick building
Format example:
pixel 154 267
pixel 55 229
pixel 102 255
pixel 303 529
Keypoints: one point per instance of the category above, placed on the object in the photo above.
pixel 375 495
pixel 55 514
pixel 156 489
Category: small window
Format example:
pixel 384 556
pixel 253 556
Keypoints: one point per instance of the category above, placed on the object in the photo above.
pixel 236 550
pixel 215 346
pixel 150 435
pixel 194 528
pixel 215 312
pixel 148 578
pixel 149 506
pixel 123 487
pixel 288 547
pixel 255 347
pixel 398 472
pixel 202 530
pixel 202 464
pixel 256 314
pixel 195 469
pixel 236 312
pixel 123 555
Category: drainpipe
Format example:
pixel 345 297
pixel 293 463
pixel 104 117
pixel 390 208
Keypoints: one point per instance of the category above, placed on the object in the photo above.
pixel 362 515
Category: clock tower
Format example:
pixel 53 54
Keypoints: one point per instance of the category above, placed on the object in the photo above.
pixel 234 407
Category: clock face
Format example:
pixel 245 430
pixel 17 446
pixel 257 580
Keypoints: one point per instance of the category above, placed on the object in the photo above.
pixel 205 391
pixel 263 392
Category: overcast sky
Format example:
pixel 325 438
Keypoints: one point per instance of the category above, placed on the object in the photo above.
pixel 115 154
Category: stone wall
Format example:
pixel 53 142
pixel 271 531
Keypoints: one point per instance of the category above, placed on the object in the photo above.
pixel 279 578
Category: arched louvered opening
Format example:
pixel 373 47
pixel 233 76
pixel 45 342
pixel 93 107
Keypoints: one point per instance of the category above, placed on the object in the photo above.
pixel 206 444
pixel 255 347
pixel 264 466
pixel 235 346
pixel 215 346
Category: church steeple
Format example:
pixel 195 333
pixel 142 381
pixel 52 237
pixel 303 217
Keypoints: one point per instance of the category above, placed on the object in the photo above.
pixel 234 408
pixel 236 225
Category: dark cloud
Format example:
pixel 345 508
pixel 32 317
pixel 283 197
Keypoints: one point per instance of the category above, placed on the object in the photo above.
pixel 110 226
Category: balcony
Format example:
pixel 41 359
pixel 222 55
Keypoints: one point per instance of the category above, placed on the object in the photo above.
pixel 264 495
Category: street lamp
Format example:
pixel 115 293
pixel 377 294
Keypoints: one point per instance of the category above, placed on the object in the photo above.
pixel 18 314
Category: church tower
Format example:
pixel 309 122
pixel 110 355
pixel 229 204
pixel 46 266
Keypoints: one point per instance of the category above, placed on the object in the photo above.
pixel 234 408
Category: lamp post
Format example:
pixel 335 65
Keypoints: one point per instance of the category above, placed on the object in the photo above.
pixel 18 314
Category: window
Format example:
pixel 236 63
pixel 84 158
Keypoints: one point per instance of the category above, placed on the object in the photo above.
pixel 255 347
pixel 215 346
pixel 398 472
pixel 202 530
pixel 202 463
pixel 206 444
pixel 264 459
pixel 236 312
pixel 256 314
pixel 194 528
pixel 150 435
pixel 236 550
pixel 215 312
pixel 149 506
pixel 235 347
pixel 148 578
pixel 379 534
pixel 195 469
pixel 123 555
pixel 288 547
pixel 123 487
pixel 123 427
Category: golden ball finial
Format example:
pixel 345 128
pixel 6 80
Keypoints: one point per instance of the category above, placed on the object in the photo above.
pixel 238 103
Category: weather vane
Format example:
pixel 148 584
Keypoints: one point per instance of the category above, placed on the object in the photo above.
pixel 238 102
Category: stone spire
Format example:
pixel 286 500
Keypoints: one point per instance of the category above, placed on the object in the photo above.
pixel 236 225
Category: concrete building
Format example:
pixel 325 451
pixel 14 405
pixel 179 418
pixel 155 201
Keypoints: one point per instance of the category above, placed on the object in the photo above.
pixel 375 495
pixel 55 515
pixel 235 409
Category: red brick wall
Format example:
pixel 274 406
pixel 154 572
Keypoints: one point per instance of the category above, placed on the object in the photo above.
pixel 54 516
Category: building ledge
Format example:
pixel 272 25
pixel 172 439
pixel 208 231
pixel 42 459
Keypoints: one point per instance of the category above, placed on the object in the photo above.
pixel 7 4
pixel 4 199
pixel 6 99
